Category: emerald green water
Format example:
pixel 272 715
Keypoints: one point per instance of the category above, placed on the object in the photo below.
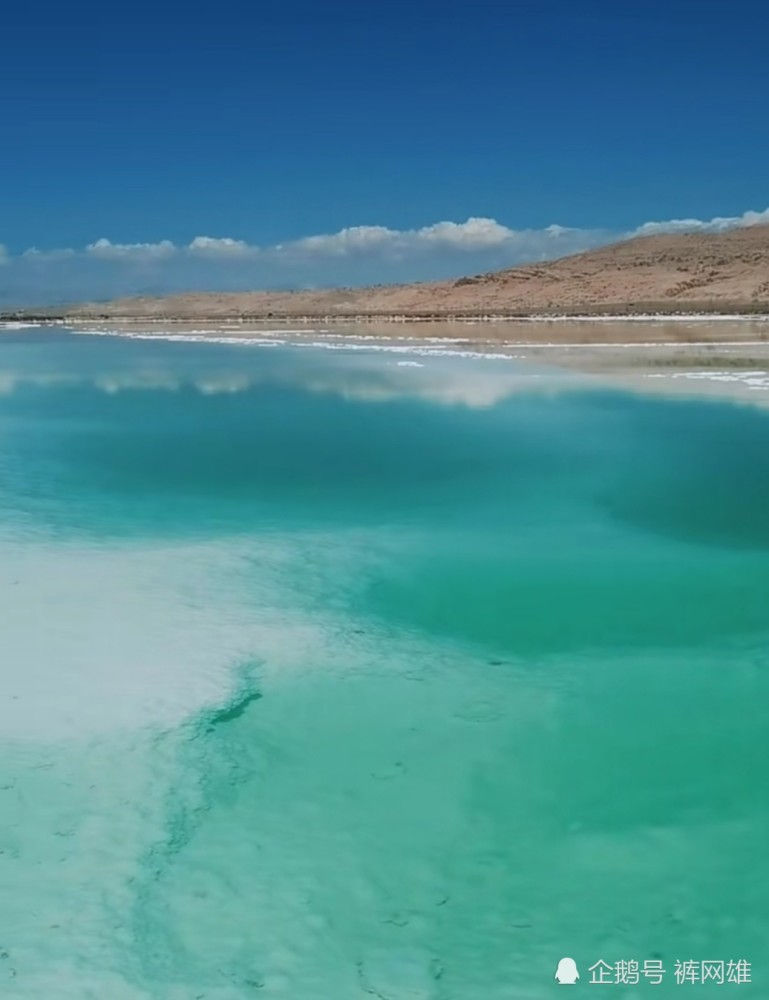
pixel 326 677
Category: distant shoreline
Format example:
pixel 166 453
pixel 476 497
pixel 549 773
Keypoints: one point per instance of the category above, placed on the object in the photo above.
pixel 724 359
pixel 24 316
pixel 642 330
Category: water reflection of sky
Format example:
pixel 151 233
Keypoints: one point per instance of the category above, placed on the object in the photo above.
pixel 359 365
pixel 360 372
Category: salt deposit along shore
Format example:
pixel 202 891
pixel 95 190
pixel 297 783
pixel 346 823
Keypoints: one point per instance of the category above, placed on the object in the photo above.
pixel 727 358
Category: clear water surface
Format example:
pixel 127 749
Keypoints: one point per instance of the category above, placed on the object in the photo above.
pixel 326 676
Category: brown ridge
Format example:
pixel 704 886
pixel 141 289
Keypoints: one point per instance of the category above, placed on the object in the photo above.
pixel 683 272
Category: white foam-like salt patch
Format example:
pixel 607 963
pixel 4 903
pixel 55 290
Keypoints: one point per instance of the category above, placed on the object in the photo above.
pixel 107 653
pixel 188 337
pixel 644 318
pixel 111 638
pixel 347 341
pixel 416 347
pixel 631 345
pixel 752 379
pixel 108 840
pixel 197 333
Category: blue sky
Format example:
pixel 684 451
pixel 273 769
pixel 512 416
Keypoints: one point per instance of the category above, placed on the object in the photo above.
pixel 159 123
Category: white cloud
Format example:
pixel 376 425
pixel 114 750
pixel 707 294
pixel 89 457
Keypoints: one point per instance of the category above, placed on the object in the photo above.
pixel 33 254
pixel 213 246
pixel 717 224
pixel 354 239
pixel 475 234
pixel 754 218
pixel 354 255
pixel 104 248
pixel 555 230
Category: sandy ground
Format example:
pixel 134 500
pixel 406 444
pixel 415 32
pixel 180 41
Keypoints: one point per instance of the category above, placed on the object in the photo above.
pixel 543 333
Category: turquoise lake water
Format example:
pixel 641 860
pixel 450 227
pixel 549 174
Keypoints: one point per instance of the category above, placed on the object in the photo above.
pixel 326 676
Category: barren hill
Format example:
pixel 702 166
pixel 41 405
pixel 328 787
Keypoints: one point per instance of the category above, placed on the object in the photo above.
pixel 718 272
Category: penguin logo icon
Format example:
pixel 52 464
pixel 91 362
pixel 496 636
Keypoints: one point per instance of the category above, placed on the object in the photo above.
pixel 566 973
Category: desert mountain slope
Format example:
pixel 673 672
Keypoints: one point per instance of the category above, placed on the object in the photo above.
pixel 720 272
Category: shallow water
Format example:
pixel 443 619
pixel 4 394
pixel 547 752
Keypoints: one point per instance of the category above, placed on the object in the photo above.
pixel 326 676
